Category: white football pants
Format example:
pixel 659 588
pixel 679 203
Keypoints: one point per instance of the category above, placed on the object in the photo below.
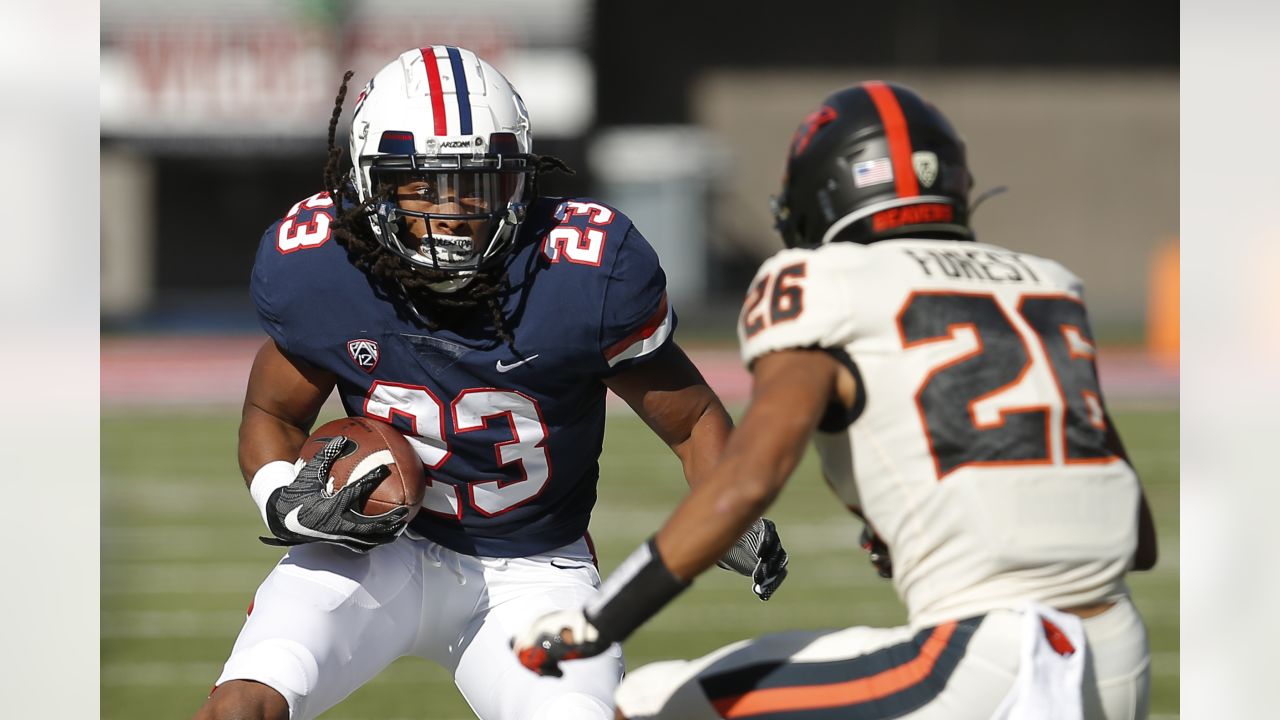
pixel 963 670
pixel 326 620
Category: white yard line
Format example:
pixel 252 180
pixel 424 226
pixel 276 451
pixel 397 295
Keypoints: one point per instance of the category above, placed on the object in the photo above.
pixel 169 578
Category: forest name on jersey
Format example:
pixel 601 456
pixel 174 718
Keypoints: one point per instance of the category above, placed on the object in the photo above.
pixel 973 264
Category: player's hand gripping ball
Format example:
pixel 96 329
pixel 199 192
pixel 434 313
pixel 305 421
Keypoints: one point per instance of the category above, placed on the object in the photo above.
pixel 359 483
pixel 371 443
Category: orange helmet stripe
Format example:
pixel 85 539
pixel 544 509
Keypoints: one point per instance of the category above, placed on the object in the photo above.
pixel 895 130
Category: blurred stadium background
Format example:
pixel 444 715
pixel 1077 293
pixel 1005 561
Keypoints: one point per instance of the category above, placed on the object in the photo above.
pixel 212 125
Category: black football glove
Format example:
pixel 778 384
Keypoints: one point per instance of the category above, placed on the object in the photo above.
pixel 877 551
pixel 759 555
pixel 307 511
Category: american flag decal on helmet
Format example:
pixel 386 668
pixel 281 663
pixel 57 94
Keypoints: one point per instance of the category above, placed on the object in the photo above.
pixel 364 353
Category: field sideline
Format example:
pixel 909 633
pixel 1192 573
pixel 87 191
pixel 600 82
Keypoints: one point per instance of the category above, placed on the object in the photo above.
pixel 180 561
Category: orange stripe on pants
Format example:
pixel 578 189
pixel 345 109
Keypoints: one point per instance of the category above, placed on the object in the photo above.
pixel 852 692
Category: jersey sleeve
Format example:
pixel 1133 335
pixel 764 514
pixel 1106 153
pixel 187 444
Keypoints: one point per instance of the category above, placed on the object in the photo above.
pixel 266 291
pixel 289 262
pixel 636 319
pixel 797 300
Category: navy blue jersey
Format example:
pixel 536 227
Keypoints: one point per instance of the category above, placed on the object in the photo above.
pixel 510 438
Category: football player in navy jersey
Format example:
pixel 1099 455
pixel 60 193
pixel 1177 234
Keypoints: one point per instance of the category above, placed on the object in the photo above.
pixel 433 288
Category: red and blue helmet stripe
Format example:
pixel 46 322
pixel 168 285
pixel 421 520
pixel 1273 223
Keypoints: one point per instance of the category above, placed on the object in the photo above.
pixel 460 83
pixel 436 88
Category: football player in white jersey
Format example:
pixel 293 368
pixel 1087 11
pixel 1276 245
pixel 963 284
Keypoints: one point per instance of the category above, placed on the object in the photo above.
pixel 950 388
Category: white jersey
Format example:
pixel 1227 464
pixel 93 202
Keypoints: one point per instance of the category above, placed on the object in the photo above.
pixel 978 450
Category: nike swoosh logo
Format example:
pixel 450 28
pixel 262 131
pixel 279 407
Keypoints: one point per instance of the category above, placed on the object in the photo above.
pixel 291 522
pixel 507 368
pixel 555 564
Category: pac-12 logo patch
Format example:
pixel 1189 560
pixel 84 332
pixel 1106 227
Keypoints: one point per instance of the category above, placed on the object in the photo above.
pixel 926 167
pixel 364 353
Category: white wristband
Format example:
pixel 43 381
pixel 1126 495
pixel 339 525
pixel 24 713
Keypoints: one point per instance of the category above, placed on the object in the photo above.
pixel 268 479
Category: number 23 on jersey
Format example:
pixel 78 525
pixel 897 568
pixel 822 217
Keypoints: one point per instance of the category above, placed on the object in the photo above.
pixel 523 459
pixel 292 235
pixel 580 246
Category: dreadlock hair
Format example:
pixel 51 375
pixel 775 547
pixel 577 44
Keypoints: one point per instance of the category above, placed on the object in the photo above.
pixel 408 285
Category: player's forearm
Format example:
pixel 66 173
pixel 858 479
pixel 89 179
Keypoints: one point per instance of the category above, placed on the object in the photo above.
pixel 266 438
pixel 706 440
pixel 710 520
pixel 790 392
pixel 660 569
pixel 759 458
pixel 705 525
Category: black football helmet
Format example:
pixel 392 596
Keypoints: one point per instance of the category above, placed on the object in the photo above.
pixel 874 161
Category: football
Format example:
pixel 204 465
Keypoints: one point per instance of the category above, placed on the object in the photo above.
pixel 371 443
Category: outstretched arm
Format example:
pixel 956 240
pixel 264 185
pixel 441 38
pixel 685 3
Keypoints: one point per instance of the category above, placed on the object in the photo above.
pixel 791 391
pixel 673 399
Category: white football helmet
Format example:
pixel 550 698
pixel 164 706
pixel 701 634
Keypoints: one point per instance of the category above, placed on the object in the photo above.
pixel 444 115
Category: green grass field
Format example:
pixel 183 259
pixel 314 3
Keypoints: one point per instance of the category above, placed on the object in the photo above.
pixel 181 559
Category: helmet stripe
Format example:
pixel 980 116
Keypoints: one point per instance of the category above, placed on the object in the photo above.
pixel 460 84
pixel 895 130
pixel 437 93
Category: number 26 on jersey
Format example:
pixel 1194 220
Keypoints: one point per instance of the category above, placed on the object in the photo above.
pixel 970 405
pixel 786 301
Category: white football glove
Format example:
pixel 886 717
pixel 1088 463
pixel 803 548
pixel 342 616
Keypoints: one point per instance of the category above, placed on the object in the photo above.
pixel 759 555
pixel 561 635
